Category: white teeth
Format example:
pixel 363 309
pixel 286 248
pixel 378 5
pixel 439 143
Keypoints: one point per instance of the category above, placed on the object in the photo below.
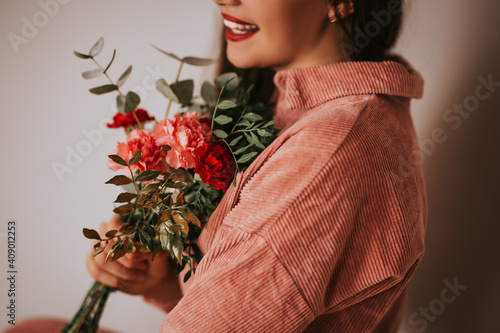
pixel 239 28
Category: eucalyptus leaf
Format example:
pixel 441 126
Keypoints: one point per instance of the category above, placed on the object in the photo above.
pixel 230 77
pixel 235 141
pixel 171 55
pixel 81 55
pixel 92 74
pixel 226 104
pixel 112 59
pixel 183 90
pixel 120 103
pixel 163 87
pixel 118 160
pixel 124 76
pixel 220 133
pixel 132 100
pixel 97 48
pixel 194 61
pixel 208 93
pixel 247 157
pixel 223 120
pixel 104 89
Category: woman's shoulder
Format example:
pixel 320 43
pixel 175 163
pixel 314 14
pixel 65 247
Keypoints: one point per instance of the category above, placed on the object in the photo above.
pixel 345 144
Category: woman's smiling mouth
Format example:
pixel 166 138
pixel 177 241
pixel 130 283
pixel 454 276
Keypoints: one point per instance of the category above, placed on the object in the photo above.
pixel 238 30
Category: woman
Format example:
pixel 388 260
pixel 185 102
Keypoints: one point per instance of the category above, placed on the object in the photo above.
pixel 324 230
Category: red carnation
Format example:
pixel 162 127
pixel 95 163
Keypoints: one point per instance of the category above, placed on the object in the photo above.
pixel 126 120
pixel 215 165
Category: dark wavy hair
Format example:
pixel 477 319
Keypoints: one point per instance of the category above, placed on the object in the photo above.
pixel 367 35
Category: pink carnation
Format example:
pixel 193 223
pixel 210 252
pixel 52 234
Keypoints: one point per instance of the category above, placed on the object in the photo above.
pixel 184 134
pixel 151 153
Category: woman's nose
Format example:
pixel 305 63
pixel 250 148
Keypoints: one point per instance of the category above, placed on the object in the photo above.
pixel 227 2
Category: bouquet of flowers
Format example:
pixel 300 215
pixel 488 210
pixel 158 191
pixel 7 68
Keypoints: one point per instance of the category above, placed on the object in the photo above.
pixel 176 172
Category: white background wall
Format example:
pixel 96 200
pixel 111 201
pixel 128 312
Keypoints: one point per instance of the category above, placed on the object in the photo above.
pixel 46 108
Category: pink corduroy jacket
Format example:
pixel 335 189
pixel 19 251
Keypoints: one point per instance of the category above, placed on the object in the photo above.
pixel 325 228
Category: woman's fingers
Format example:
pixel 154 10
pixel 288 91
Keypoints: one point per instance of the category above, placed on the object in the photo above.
pixel 102 275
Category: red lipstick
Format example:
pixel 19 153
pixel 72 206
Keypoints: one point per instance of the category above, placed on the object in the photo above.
pixel 238 30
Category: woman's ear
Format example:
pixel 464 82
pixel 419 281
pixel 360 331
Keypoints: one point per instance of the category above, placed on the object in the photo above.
pixel 343 9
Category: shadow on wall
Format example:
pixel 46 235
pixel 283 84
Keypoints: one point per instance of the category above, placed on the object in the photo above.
pixel 456 288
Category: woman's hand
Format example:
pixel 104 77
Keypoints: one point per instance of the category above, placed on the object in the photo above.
pixel 135 273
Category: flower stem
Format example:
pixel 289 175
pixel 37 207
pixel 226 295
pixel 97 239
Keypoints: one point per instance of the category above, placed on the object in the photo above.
pixel 175 85
pixel 119 92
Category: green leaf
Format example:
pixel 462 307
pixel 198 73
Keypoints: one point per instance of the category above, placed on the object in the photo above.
pixel 135 158
pixel 125 197
pixel 118 160
pixel 149 188
pixel 208 93
pixel 247 157
pixel 257 141
pixel 91 234
pixel 246 96
pixel 122 249
pixel 184 91
pixel 235 141
pixel 132 100
pixel 226 104
pixel 119 180
pixel 81 55
pixel 92 74
pixel 104 89
pixel 230 77
pixel 263 133
pixel 244 123
pixel 163 87
pixel 194 61
pixel 111 233
pixel 252 116
pixel 120 103
pixel 269 123
pixel 163 235
pixel 171 55
pixel 112 59
pixel 97 48
pixel 220 134
pixel 179 268
pixel 187 276
pixel 146 240
pixel 223 120
pixel 124 76
pixel 147 175
pixel 124 209
pixel 242 149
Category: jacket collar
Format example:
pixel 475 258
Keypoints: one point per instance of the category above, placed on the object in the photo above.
pixel 306 88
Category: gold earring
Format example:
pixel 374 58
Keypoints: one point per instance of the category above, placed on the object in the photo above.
pixel 332 18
